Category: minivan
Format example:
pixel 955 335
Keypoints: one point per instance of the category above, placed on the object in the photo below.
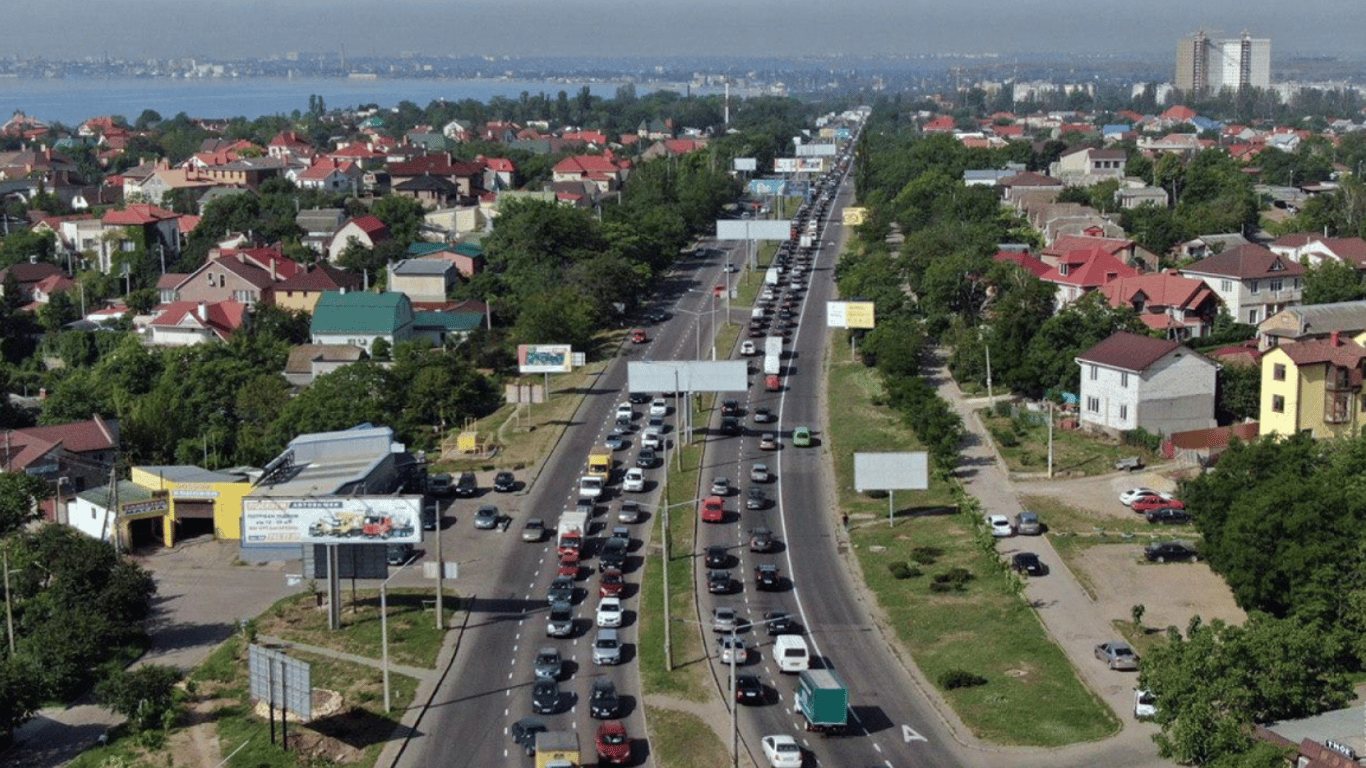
pixel 791 653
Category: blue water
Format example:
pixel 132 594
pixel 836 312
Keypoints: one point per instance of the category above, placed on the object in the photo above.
pixel 73 101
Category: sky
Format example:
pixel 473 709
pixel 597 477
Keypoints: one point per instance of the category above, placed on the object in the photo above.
pixel 69 29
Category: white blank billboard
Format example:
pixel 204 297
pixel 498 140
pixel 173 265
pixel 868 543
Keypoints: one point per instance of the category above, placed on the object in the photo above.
pixel 687 376
pixel 746 164
pixel 891 471
pixel 331 520
pixel 815 150
pixel 753 229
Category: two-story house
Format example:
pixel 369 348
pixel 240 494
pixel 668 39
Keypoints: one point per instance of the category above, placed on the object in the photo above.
pixel 1308 322
pixel 1180 307
pixel 1312 250
pixel 1313 387
pixel 1081 272
pixel 359 318
pixel 1130 382
pixel 1253 282
pixel 138 225
pixel 245 276
pixel 302 291
pixel 366 230
pixel 1088 165
pixel 183 323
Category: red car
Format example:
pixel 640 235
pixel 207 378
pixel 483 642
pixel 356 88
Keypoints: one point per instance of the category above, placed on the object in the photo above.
pixel 638 336
pixel 1149 503
pixel 614 746
pixel 610 583
pixel 713 510
pixel 569 564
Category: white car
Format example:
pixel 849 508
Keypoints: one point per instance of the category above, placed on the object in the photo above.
pixel 759 473
pixel 624 411
pixel 1134 494
pixel 1145 704
pixel 747 348
pixel 590 487
pixel 609 612
pixel 658 407
pixel 782 751
pixel 999 525
pixel 634 481
pixel 652 440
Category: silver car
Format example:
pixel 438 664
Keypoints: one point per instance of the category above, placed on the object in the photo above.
pixel 1028 524
pixel 1117 655
pixel 607 647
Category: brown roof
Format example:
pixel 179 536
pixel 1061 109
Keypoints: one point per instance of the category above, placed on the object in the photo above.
pixel 1216 437
pixel 1030 179
pixel 94 434
pixel 1247 261
pixel 1128 351
pixel 321 277
pixel 1344 354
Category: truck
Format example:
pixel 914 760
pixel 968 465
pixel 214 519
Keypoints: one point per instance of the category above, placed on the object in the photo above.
pixel 558 749
pixel 571 532
pixel 772 383
pixel 773 355
pixel 600 463
pixel 823 699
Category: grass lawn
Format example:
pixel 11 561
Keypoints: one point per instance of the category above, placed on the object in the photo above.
pixel 684 739
pixel 414 639
pixel 1023 444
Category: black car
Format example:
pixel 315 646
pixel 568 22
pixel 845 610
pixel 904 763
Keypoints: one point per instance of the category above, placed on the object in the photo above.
pixel 730 407
pixel 756 498
pixel 603 701
pixel 647 458
pixel 613 554
pixel 730 425
pixel 1170 550
pixel 1167 515
pixel 748 689
pixel 639 398
pixel 466 486
pixel 1027 562
pixel 761 540
pixel 398 554
pixel 524 733
pixel 766 577
pixel 561 589
pixel 717 557
pixel 779 623
pixel 504 482
pixel 545 697
pixel 718 582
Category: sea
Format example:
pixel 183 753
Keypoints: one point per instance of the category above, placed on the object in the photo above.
pixel 72 101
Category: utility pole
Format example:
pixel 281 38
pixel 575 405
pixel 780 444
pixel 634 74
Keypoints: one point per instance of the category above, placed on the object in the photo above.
pixel 9 606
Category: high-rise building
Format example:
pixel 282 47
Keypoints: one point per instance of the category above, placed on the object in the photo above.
pixel 1205 65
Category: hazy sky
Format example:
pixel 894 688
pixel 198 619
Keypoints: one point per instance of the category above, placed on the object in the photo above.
pixel 251 28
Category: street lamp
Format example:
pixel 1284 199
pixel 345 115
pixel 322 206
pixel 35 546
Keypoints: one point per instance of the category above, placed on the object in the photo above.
pixel 663 510
pixel 384 620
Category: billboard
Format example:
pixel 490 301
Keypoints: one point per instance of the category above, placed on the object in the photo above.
pixel 767 187
pixel 849 314
pixel 746 164
pixel 853 215
pixel 545 358
pixel 798 164
pixel 891 471
pixel 687 376
pixel 331 520
pixel 753 229
pixel 784 165
pixel 816 150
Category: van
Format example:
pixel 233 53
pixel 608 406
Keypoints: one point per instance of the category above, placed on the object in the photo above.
pixel 440 485
pixel 791 653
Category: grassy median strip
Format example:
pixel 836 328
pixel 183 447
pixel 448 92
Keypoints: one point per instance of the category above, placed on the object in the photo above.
pixel 685 739
pixel 949 599
pixel 414 639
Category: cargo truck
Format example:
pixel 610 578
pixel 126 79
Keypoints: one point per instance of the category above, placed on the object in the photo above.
pixel 600 463
pixel 572 530
pixel 558 749
pixel 823 699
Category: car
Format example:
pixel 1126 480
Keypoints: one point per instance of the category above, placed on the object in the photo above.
pixel 1027 524
pixel 766 577
pixel 610 583
pixel 782 751
pixel 779 623
pixel 549 665
pixel 504 482
pixel 716 556
pixel 755 498
pixel 533 530
pixel 638 336
pixel 1134 494
pixel 1117 655
pixel 647 458
pixel 609 613
pixel 999 525
pixel 761 540
pixel 524 733
pixel 713 510
pixel 652 439
pixel 613 553
pixel 1167 515
pixel 1146 503
pixel 757 331
pixel 561 621
pixel 657 316
pixel 590 487
pixel 431 513
pixel 585 506
pixel 1027 562
pixel 747 348
pixel 625 411
pixel 718 582
pixel 467 485
pixel 569 564
pixel 634 481
pixel 607 647
pixel 603 701
pixel 545 697
pixel 801 437
pixel 730 425
pixel 730 267
pixel 561 589
pixel 720 486
pixel 398 554
pixel 768 441
pixel 724 619
pixel 629 512
pixel 1145 704
pixel 639 398
pixel 1163 551
pixel 616 440
pixel 731 650
pixel 439 484
pixel 730 407
pixel 486 517
pixel 763 415
pixel 748 689
pixel 759 473
pixel 658 407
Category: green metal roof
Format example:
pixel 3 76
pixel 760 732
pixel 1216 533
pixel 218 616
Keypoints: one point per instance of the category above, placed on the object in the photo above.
pixel 469 249
pixel 454 322
pixel 362 313
pixel 422 249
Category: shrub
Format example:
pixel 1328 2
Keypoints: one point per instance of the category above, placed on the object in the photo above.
pixel 953 578
pixel 1002 409
pixel 960 678
pixel 903 570
pixel 926 555
pixel 1004 437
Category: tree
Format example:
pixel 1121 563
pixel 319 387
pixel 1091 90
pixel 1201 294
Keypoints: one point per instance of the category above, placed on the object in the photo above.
pixel 1333 281
pixel 1049 361
pixel 146 695
pixel 19 497
pixel 1239 389
pixel 403 215
pixel 58 311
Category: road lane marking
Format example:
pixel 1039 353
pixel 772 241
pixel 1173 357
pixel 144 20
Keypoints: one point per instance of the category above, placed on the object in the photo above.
pixel 909 733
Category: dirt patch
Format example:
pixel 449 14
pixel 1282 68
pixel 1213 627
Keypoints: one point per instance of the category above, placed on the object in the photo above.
pixel 1171 593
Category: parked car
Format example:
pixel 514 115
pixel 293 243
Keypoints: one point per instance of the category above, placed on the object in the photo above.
pixel 1028 524
pixel 1117 655
pixel 1027 562
pixel 533 530
pixel 718 582
pixel 1167 515
pixel 486 517
pixel 440 484
pixel 1148 503
pixel 504 482
pixel 609 612
pixel 607 647
pixel 398 554
pixel 1128 497
pixel 1163 551
pixel 467 485
pixel 603 701
pixel 1145 704
pixel 999 525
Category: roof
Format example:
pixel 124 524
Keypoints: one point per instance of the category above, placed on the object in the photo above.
pixel 321 277
pixel 1068 243
pixel 1030 179
pixel 129 492
pixel 586 164
pixel 1215 437
pixel 1246 261
pixel 368 224
pixel 26 273
pixel 376 314
pixel 138 214
pixel 1026 261
pixel 450 321
pixel 1128 351
pixel 302 357
pixel 1158 288
pixel 1344 354
pixel 1090 268
pixel 423 267
pixel 1326 318
pixel 224 317
pixel 23 446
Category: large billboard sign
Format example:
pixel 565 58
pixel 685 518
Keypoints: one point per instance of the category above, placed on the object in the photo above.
pixel 798 164
pixel 849 314
pixel 545 358
pixel 331 520
pixel 746 164
pixel 816 150
pixel 909 471
pixel 753 229
pixel 854 215
pixel 687 376
pixel 767 186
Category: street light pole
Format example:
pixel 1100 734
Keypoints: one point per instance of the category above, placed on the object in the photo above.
pixel 384 623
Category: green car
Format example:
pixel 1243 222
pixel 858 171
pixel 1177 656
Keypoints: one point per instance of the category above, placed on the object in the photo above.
pixel 801 437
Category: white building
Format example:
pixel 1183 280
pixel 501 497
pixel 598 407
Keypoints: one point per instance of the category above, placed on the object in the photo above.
pixel 1130 381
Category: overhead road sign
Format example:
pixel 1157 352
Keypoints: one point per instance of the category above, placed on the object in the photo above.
pixel 687 376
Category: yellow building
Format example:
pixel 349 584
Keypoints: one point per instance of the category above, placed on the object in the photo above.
pixel 303 290
pixel 201 501
pixel 1313 387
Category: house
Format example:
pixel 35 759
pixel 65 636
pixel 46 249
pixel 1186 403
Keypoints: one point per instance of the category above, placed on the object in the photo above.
pixel 360 318
pixel 432 191
pixel 1180 307
pixel 1127 251
pixel 1136 382
pixel 1015 186
pixel 44 289
pixel 307 362
pixel 319 225
pixel 1080 272
pixel 1313 387
pixel 464 178
pixel 1312 250
pixel 1087 166
pixel 288 144
pixel 602 170
pixel 499 173
pixel 72 456
pixel 244 276
pixel 139 225
pixel 182 323
pixel 329 175
pixel 1311 322
pixel 302 291
pixel 468 258
pixel 1253 282
pixel 423 279
pixel 26 277
pixel 1026 261
pixel 1207 245
pixel 365 230
pixel 1132 197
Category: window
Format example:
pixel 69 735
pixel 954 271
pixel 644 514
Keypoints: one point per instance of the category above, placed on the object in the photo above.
pixel 1094 372
pixel 1124 413
pixel 1276 285
pixel 1124 379
pixel 1226 286
pixel 1278 403
pixel 1278 372
pixel 1252 317
pixel 1255 286
pixel 1093 404
pixel 210 276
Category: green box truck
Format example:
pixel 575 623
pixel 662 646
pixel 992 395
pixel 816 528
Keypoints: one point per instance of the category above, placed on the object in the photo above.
pixel 823 699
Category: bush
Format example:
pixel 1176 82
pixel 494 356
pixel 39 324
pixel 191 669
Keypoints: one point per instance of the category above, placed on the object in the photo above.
pixel 952 579
pixel 903 570
pixel 1003 409
pixel 960 678
pixel 1005 438
pixel 926 555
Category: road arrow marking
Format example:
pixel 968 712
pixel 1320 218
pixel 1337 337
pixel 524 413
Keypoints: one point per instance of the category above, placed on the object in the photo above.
pixel 908 733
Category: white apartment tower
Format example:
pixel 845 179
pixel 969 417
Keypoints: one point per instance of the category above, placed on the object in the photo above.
pixel 1205 65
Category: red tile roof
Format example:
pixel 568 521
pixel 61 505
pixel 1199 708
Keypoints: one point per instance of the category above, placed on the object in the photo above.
pixel 1068 243
pixel 1090 268
pixel 587 164
pixel 320 277
pixel 224 317
pixel 1025 261
pixel 1344 354
pixel 1128 351
pixel 1179 112
pixel 1159 288
pixel 1030 179
pixel 138 214
pixel 370 225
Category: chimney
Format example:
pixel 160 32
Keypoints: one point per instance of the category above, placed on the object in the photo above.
pixel 274 277
pixel 203 312
pixel 1335 339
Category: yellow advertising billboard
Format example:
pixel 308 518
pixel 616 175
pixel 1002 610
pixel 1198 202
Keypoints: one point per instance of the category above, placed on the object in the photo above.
pixel 849 314
pixel 853 216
